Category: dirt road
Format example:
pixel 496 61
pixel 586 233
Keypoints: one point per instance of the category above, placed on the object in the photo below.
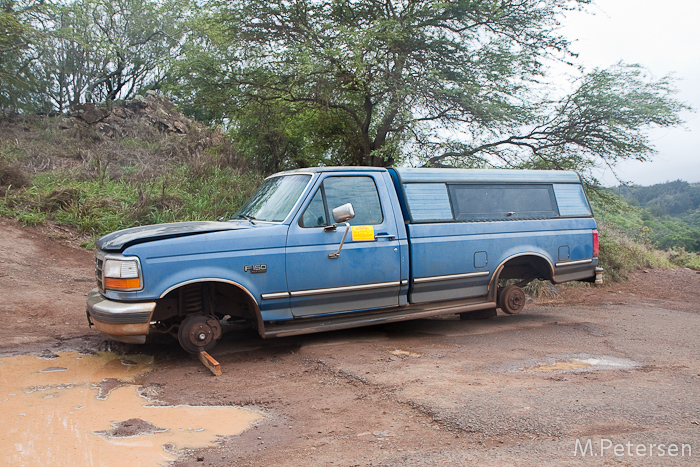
pixel 606 376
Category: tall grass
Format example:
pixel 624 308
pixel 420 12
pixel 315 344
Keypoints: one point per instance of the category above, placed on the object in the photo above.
pixel 96 207
pixel 620 255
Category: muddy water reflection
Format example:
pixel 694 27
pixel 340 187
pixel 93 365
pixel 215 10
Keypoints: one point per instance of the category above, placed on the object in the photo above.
pixel 585 363
pixel 86 410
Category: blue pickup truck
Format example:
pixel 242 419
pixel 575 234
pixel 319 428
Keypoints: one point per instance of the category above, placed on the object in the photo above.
pixel 337 247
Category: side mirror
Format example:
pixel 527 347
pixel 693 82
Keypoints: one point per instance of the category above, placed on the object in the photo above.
pixel 343 213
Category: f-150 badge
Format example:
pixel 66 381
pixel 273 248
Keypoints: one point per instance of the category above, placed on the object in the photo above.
pixel 256 269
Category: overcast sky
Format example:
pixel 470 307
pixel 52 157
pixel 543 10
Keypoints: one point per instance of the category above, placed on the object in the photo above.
pixel 665 38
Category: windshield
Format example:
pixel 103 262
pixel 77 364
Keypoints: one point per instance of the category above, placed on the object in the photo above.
pixel 275 198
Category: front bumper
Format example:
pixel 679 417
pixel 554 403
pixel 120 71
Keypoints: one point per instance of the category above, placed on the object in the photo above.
pixel 121 321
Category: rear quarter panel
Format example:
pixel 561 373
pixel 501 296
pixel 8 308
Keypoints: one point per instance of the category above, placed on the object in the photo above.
pixel 476 249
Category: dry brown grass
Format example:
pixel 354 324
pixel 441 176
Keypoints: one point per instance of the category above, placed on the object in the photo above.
pixel 135 148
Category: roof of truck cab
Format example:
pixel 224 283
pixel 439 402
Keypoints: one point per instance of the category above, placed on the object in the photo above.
pixel 418 175
pixel 411 175
pixel 333 169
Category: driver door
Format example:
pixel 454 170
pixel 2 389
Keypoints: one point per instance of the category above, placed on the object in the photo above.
pixel 366 273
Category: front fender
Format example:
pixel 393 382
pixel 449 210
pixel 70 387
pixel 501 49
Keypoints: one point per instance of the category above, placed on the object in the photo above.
pixel 253 284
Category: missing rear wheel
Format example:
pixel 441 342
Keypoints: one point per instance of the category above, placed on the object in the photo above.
pixel 511 299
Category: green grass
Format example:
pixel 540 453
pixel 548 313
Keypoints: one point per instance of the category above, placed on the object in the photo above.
pixel 97 207
pixel 683 258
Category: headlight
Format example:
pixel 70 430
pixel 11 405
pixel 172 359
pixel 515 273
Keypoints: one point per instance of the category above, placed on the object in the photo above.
pixel 122 274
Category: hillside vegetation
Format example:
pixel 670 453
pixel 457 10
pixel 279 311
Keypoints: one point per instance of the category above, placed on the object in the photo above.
pixel 676 199
pixel 637 223
pixel 100 169
pixel 668 214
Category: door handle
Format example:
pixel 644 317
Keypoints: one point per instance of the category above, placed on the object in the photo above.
pixel 385 235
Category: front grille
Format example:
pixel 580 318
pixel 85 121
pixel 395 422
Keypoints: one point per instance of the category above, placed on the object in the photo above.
pixel 99 261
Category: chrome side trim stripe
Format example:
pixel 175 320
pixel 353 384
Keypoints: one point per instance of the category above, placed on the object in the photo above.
pixel 272 296
pixel 468 275
pixel 574 263
pixel 350 288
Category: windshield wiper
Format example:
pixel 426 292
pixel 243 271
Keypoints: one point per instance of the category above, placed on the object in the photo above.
pixel 246 217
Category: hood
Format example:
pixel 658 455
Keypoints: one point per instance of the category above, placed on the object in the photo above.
pixel 117 241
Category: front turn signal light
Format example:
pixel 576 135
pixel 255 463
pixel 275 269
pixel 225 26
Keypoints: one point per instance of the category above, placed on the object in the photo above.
pixel 122 284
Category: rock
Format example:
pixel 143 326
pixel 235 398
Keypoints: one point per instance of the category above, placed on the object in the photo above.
pixel 552 289
pixel 130 428
pixel 89 113
pixel 119 118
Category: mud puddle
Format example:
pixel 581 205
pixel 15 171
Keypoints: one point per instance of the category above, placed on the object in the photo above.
pixel 90 410
pixel 582 363
pixel 405 353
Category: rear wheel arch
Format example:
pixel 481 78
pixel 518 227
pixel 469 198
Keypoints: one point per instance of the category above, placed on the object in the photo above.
pixel 524 267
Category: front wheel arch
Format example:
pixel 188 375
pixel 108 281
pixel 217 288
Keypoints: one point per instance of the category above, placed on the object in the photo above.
pixel 212 296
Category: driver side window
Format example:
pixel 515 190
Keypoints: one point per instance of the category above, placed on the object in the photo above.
pixel 335 191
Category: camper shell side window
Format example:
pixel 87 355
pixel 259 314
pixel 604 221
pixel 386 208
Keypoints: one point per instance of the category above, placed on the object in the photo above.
pixel 502 202
pixel 474 202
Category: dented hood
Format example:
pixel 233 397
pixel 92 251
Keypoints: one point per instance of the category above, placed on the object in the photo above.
pixel 117 241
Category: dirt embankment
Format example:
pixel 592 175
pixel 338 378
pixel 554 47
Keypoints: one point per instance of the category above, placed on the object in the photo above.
pixel 43 279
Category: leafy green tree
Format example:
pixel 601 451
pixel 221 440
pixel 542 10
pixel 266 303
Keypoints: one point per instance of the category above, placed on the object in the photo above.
pixel 17 55
pixel 433 82
pixel 99 50
pixel 275 136
pixel 677 198
pixel 12 31
pixel 11 42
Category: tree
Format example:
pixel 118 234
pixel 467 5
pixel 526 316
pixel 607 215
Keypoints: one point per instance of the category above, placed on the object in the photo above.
pixel 99 50
pixel 12 31
pixel 12 41
pixel 17 55
pixel 602 122
pixel 436 82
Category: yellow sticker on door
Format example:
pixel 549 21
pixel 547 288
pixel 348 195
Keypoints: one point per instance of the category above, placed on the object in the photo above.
pixel 362 233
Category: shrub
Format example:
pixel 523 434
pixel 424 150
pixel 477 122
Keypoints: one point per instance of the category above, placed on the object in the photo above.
pixel 620 255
